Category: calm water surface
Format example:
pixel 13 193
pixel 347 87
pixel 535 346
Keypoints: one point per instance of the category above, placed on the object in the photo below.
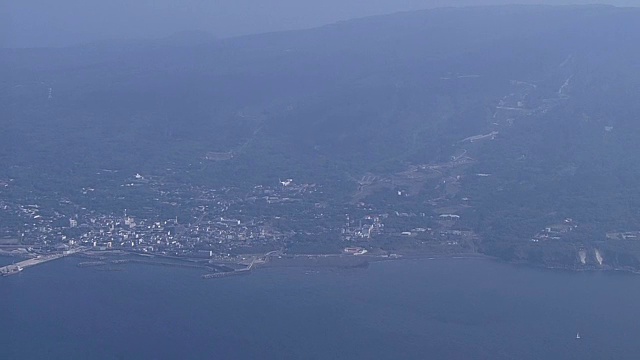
pixel 422 309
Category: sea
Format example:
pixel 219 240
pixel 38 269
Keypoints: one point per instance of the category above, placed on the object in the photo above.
pixel 444 308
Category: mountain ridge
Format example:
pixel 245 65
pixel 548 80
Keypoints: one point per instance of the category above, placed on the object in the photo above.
pixel 514 119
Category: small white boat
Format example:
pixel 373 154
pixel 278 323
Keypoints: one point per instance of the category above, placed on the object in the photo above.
pixel 577 335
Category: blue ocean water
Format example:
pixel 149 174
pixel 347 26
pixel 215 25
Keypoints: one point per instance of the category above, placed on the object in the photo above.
pixel 412 309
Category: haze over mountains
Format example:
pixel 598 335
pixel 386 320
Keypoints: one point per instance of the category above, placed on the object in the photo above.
pixel 41 23
pixel 513 130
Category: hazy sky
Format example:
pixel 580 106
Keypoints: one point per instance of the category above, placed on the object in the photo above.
pixel 29 23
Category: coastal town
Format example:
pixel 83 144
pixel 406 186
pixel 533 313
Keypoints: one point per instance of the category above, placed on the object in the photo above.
pixel 243 227
pixel 160 214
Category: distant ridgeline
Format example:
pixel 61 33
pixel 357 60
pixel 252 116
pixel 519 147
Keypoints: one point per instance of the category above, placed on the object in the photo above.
pixel 511 131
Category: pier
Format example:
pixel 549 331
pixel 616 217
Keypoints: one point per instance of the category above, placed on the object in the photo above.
pixel 19 266
pixel 244 271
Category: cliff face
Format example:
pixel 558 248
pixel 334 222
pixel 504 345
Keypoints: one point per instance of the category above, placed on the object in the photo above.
pixel 603 257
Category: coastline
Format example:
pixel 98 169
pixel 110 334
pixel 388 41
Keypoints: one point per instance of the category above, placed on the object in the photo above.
pixel 219 269
pixel 572 268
